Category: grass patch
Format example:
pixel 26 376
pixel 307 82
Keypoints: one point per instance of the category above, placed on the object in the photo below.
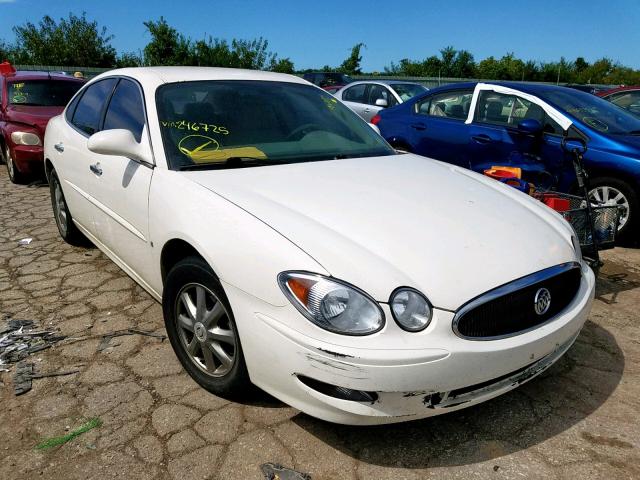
pixel 55 441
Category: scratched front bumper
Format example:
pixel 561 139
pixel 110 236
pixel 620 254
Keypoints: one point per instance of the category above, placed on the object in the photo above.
pixel 446 374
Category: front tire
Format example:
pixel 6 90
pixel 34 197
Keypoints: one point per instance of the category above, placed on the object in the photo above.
pixel 612 191
pixel 14 175
pixel 64 221
pixel 202 329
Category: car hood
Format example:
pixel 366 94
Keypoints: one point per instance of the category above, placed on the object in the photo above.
pixel 402 220
pixel 36 117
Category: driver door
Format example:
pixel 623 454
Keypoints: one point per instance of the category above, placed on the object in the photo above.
pixel 495 139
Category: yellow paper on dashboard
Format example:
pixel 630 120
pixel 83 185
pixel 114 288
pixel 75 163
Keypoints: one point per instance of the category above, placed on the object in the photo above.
pixel 223 154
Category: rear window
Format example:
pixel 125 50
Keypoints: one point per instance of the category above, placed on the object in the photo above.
pixel 42 93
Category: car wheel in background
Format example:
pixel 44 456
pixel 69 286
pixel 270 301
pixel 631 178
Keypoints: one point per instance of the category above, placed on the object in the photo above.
pixel 14 175
pixel 202 330
pixel 612 191
pixel 68 230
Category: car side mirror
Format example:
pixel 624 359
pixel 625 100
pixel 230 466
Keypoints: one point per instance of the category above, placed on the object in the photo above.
pixel 381 102
pixel 119 142
pixel 530 126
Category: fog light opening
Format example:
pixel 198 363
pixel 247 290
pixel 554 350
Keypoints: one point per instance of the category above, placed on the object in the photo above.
pixel 341 393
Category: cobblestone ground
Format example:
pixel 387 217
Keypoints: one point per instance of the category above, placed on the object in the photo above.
pixel 579 420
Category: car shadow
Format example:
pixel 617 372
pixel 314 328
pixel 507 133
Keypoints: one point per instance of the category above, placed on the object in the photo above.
pixel 613 280
pixel 548 405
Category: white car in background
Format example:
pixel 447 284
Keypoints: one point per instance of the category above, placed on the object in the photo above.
pixel 368 97
pixel 291 247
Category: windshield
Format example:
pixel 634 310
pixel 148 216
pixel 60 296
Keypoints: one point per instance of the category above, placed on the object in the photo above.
pixel 42 93
pixel 216 123
pixel 408 90
pixel 599 114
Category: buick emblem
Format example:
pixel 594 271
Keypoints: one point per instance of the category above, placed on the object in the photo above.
pixel 542 301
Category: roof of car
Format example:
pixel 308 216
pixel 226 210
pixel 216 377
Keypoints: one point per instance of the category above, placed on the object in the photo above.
pixel 38 75
pixel 184 74
pixel 532 88
pixel 387 82
pixel 629 88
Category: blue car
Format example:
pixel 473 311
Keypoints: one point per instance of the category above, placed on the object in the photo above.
pixel 479 125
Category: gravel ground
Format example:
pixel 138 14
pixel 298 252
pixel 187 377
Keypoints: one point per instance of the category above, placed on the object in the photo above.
pixel 579 420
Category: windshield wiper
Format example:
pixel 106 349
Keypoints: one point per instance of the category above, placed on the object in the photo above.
pixel 231 162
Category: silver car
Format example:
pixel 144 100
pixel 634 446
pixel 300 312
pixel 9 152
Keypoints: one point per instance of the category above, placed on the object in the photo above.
pixel 368 97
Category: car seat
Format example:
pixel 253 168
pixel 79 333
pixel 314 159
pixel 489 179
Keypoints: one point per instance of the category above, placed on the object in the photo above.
pixel 455 111
pixel 493 111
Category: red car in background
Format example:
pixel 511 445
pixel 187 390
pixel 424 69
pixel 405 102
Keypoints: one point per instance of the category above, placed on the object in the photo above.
pixel 27 101
pixel 624 97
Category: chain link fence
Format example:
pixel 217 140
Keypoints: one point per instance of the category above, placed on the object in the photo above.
pixel 430 82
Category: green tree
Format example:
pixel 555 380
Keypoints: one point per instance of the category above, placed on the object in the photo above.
pixel 351 65
pixel 167 46
pixel 129 59
pixel 71 41
pixel 283 65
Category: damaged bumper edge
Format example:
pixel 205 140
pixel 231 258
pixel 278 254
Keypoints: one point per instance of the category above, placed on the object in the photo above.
pixel 352 384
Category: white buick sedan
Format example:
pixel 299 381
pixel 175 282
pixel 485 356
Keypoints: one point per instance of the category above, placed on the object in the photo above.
pixel 292 248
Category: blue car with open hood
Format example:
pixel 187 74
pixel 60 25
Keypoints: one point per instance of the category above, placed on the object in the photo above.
pixel 479 125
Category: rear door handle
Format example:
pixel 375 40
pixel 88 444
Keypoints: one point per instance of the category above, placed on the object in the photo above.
pixel 95 168
pixel 482 138
pixel 419 126
pixel 367 110
pixel 59 147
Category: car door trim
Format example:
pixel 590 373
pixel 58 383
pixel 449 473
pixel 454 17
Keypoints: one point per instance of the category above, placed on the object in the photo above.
pixel 121 263
pixel 133 230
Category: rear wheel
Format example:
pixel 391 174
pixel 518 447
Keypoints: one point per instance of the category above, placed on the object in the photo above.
pixel 14 175
pixel 202 329
pixel 68 230
pixel 612 191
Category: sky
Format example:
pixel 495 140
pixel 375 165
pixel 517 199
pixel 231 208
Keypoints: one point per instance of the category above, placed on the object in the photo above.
pixel 320 33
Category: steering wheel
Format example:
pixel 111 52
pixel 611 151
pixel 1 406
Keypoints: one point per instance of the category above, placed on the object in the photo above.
pixel 306 128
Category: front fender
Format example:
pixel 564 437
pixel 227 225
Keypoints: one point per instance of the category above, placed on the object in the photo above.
pixel 241 249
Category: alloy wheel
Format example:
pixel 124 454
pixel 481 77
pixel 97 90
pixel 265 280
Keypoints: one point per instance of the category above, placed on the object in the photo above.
pixel 611 196
pixel 205 330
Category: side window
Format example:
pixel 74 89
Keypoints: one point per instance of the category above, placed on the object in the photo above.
pixel 71 108
pixel 453 105
pixel 377 92
pixel 88 113
pixel 126 109
pixel 355 93
pixel 509 110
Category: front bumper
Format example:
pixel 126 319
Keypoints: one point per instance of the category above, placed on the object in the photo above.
pixel 28 159
pixel 445 373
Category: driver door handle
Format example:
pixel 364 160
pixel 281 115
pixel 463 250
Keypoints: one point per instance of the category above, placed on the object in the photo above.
pixel 59 147
pixel 482 138
pixel 419 126
pixel 95 168
pixel 367 110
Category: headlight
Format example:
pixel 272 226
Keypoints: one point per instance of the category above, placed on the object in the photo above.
pixel 332 304
pixel 410 309
pixel 25 138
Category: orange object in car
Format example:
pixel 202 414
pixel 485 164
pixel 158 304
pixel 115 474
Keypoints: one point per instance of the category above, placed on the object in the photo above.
pixel 517 171
pixel 499 173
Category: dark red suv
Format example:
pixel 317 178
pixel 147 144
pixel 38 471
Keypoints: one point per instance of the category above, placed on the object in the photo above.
pixel 27 101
